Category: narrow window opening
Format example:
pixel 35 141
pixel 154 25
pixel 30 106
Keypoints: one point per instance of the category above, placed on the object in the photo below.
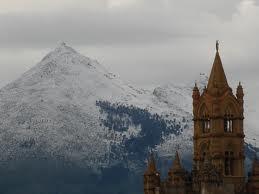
pixel 228 123
pixel 204 155
pixel 205 124
pixel 229 160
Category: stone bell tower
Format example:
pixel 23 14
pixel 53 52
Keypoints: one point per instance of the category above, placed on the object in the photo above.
pixel 218 127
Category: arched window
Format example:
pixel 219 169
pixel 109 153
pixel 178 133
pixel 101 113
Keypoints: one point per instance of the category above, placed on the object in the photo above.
pixel 229 161
pixel 205 119
pixel 228 125
pixel 228 121
pixel 205 122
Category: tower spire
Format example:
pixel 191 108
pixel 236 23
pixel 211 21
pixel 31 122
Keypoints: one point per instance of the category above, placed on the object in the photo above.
pixel 151 165
pixel 217 81
pixel 176 163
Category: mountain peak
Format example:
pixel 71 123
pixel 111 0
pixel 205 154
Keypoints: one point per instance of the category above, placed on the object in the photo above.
pixel 64 48
pixel 62 44
pixel 62 53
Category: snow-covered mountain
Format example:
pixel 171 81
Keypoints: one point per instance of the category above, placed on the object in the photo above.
pixel 51 108
pixel 69 109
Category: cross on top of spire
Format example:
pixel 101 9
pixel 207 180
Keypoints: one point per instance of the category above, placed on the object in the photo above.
pixel 217 45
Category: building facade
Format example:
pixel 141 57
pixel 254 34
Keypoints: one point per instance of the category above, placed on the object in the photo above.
pixel 218 142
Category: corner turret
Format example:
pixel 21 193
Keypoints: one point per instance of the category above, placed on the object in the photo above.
pixel 195 96
pixel 240 94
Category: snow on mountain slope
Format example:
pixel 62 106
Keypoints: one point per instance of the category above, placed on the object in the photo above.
pixel 51 111
pixel 251 114
pixel 51 108
pixel 177 100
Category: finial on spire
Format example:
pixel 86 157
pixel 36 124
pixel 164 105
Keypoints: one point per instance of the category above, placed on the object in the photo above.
pixel 217 45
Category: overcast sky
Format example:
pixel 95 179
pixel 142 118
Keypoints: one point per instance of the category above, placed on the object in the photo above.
pixel 146 42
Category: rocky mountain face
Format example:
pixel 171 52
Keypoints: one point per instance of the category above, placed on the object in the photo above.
pixel 70 126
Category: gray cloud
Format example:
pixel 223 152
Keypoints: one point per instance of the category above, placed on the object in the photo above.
pixel 145 21
pixel 41 30
pixel 166 36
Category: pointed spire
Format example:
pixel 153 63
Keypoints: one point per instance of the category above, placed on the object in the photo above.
pixel 177 163
pixel 195 88
pixel 217 80
pixel 239 87
pixel 195 92
pixel 152 163
pixel 151 168
pixel 240 94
